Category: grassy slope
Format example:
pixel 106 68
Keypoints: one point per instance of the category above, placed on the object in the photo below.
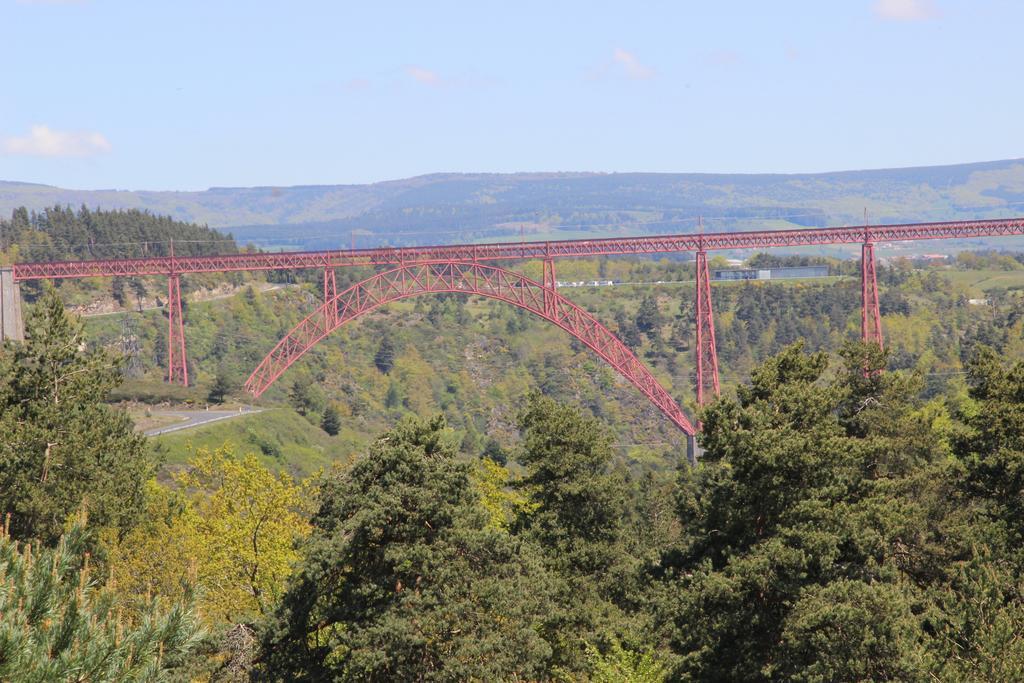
pixel 281 438
pixel 981 281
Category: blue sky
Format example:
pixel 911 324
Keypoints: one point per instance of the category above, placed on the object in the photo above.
pixel 187 95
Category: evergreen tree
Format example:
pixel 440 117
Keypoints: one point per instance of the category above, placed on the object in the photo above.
pixel 61 232
pixel 797 564
pixel 58 623
pixel 580 505
pixel 648 317
pixel 61 447
pixel 494 452
pixel 139 290
pixel 576 512
pixel 629 333
pixel 385 357
pixel 393 398
pixel 331 421
pixel 306 397
pixel 992 445
pixel 117 290
pixel 682 331
pixel 160 355
pixel 404 579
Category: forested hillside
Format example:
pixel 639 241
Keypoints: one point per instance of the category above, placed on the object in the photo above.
pixel 472 207
pixel 59 232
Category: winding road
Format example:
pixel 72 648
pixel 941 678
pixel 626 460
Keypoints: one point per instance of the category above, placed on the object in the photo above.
pixel 196 418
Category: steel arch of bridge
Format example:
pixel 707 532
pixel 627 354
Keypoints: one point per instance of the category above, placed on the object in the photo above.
pixel 466 278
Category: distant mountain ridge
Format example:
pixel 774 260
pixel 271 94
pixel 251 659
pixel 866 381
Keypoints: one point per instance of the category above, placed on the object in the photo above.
pixel 451 207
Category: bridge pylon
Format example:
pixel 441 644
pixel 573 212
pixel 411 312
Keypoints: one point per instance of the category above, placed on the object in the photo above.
pixel 330 291
pixel 177 361
pixel 870 315
pixel 550 289
pixel 11 324
pixel 707 351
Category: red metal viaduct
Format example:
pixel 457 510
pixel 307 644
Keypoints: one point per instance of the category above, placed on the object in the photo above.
pixel 462 268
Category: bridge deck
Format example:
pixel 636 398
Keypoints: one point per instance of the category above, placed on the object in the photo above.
pixel 472 253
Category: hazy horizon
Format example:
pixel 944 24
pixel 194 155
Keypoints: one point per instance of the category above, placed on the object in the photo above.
pixel 538 173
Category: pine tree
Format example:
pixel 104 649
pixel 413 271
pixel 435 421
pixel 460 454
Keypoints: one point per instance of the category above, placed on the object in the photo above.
pixel 385 357
pixel 117 290
pixel 800 520
pixel 576 512
pixel 306 397
pixel 992 445
pixel 579 503
pixel 331 421
pixel 139 290
pixel 58 623
pixel 393 398
pixel 405 579
pixel 648 317
pixel 61 447
pixel 682 331
pixel 629 333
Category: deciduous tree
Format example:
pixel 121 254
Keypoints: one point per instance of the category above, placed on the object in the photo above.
pixel 235 530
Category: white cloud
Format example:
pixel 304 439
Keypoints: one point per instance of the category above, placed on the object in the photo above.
pixel 43 141
pixel 905 10
pixel 424 76
pixel 631 66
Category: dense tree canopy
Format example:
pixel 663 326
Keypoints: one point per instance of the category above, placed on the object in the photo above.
pixel 234 526
pixel 404 579
pixel 63 233
pixel 826 536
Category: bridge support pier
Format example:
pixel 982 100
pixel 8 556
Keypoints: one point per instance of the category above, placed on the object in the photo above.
pixel 11 324
pixel 550 287
pixel 707 351
pixel 693 450
pixel 870 316
pixel 330 291
pixel 177 361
